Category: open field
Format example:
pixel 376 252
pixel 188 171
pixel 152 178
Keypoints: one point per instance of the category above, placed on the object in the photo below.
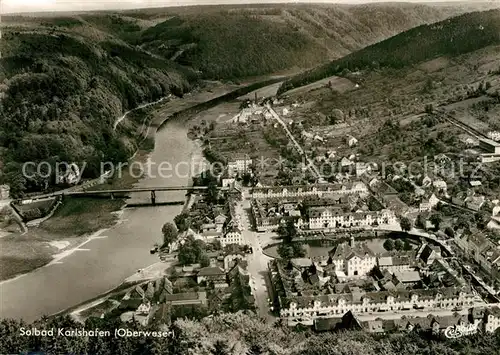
pixel 79 216
pixel 268 91
pixel 23 253
pixel 337 83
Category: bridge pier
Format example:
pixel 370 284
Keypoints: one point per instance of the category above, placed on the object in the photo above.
pixel 153 197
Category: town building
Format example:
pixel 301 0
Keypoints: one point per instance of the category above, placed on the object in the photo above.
pixel 227 181
pixel 187 298
pixel 240 165
pixel 362 168
pixel 305 309
pixel 268 218
pixel 319 190
pixel 440 185
pixel 428 253
pixel 332 217
pixel 352 260
pixel 232 236
pixel 219 222
pixel 351 141
pixel 428 204
pixel 396 263
pixel 475 202
pixel 211 274
pixel 489 146
pixel 492 319
pixel 494 136
pixel 4 192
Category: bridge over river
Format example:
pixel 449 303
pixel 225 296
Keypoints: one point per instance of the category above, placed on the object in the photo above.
pixel 116 193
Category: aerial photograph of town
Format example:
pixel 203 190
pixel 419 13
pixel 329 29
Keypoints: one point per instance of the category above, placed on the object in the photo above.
pixel 203 177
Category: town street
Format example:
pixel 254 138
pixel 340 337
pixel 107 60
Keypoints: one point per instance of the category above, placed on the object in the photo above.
pixel 257 262
pixel 301 151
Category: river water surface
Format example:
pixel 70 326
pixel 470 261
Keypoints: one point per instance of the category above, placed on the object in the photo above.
pixel 104 262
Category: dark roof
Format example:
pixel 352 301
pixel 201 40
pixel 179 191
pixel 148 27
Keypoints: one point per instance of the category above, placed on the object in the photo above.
pixel 185 296
pixel 211 271
pixel 163 313
pixel 345 251
pixel 326 324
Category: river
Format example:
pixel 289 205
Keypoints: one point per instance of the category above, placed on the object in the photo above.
pixel 104 262
pixel 109 257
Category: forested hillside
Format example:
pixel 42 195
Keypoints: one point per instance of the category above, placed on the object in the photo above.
pixel 462 34
pixel 234 334
pixel 66 79
pixel 64 83
pixel 253 40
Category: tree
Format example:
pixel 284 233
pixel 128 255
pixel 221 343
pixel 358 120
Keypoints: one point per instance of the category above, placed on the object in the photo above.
pixel 389 244
pixel 182 221
pixel 298 250
pixel 287 231
pixel 407 246
pixel 449 232
pixel 285 251
pixel 405 224
pixel 481 219
pixel 399 245
pixel 436 220
pixel 170 233
pixel 192 252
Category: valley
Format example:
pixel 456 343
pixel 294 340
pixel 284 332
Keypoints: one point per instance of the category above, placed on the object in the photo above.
pixel 340 167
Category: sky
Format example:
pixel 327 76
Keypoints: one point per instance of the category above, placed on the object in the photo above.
pixel 9 6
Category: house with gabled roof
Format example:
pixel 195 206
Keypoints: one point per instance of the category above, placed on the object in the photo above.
pixel 353 259
pixel 491 320
pixel 211 273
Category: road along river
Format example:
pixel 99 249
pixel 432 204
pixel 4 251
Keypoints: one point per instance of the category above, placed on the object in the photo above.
pixel 114 254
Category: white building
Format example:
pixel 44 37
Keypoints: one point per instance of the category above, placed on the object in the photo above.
pixel 70 176
pixel 440 185
pixel 335 217
pixel 4 192
pixel 231 237
pixel 351 141
pixel 428 204
pixel 305 309
pixel 240 165
pixel 492 319
pixel 395 263
pixel 494 135
pixel 353 260
pixel 362 168
pixel 319 190
pixel 228 181
pixel 426 181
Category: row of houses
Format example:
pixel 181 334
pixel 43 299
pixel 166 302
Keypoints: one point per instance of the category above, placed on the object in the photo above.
pixel 484 252
pixel 335 217
pixel 487 320
pixel 307 308
pixel 155 300
pixel 390 283
pixel 319 190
